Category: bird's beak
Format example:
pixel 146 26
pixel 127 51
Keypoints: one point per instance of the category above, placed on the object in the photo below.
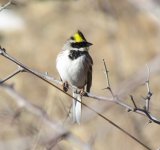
pixel 88 44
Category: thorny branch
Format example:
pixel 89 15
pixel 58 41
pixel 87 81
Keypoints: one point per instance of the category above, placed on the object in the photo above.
pixel 114 99
pixel 145 110
pixel 147 99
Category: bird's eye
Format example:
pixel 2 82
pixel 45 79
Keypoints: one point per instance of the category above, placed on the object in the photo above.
pixel 72 38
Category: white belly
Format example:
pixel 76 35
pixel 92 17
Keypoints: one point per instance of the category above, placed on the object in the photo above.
pixel 72 71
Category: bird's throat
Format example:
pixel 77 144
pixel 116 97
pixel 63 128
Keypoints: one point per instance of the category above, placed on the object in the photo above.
pixel 74 54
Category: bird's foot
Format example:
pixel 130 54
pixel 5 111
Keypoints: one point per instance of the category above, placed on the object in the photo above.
pixel 82 92
pixel 65 86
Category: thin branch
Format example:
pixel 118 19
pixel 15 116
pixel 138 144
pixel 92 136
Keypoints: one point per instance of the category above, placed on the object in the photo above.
pixel 133 101
pixel 107 78
pixel 135 109
pixel 20 69
pixel 125 88
pixel 149 94
pixel 24 103
pixel 3 53
pixel 145 110
pixel 10 2
pixel 47 79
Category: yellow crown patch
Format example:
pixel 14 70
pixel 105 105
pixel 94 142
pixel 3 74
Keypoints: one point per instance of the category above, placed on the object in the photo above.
pixel 78 37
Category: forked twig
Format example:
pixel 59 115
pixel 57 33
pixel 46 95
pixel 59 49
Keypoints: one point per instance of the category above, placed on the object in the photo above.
pixel 20 69
pixel 147 99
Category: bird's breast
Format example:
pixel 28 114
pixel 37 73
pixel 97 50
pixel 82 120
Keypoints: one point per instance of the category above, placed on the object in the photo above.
pixel 73 71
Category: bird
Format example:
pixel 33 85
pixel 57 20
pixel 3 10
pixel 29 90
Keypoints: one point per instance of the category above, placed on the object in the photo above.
pixel 74 65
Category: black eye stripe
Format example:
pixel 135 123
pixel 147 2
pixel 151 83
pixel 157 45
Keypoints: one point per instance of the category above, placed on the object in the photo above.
pixel 80 44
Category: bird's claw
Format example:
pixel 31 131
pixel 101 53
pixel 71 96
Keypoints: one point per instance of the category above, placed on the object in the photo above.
pixel 65 86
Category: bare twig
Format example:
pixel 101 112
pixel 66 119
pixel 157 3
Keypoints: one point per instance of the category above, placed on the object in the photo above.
pixel 23 102
pixel 45 78
pixel 50 81
pixel 149 93
pixel 125 88
pixel 135 109
pixel 10 2
pixel 147 99
pixel 12 74
pixel 107 78
pixel 3 53
pixel 135 106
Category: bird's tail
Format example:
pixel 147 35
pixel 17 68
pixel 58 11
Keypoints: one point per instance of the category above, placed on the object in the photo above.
pixel 76 108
